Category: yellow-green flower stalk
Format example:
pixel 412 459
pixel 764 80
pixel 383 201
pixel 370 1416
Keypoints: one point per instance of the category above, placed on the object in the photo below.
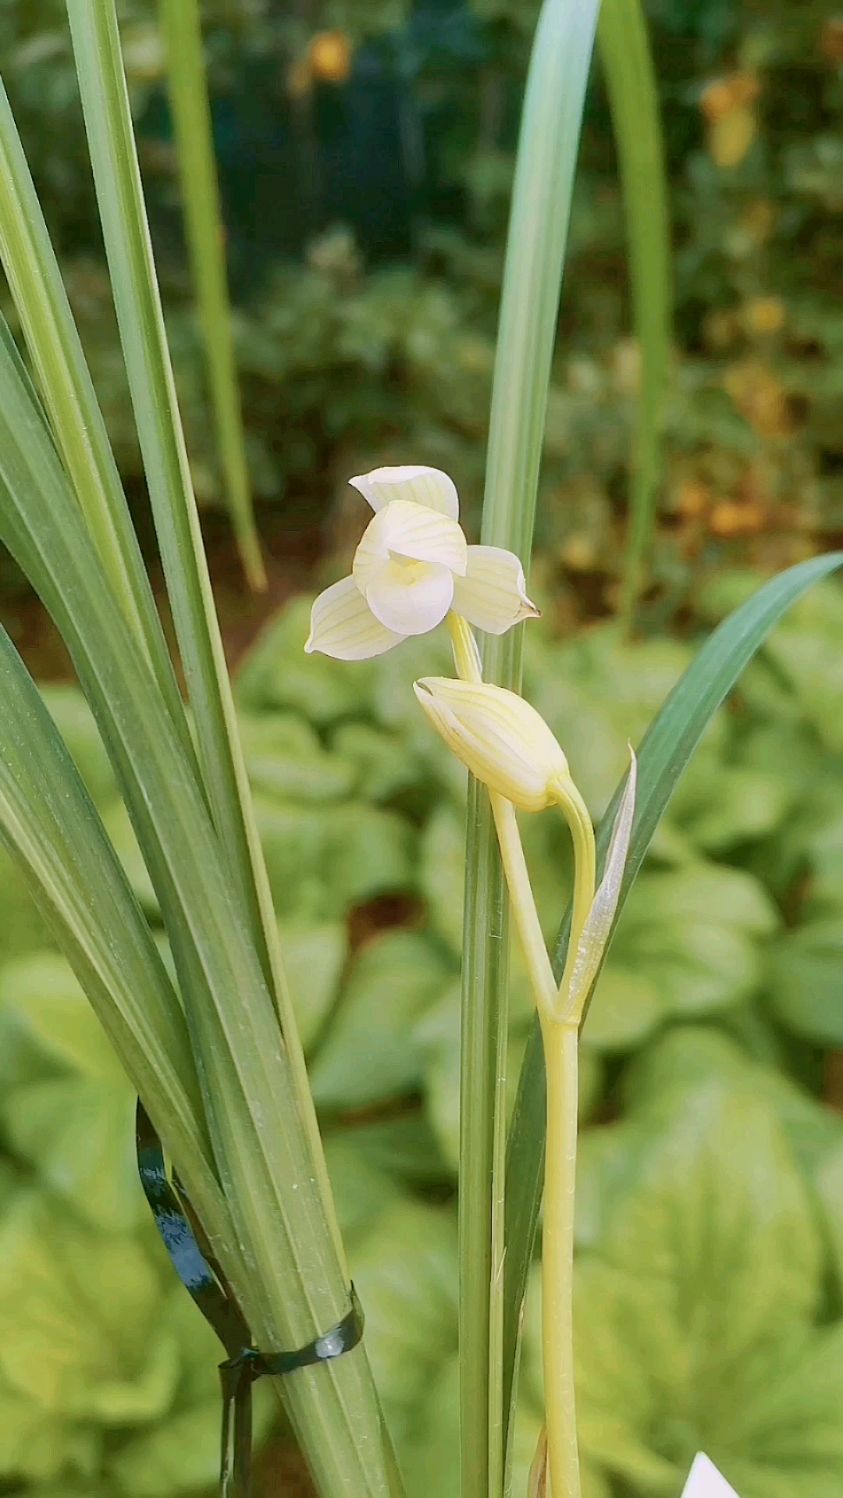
pixel 509 747
pixel 506 744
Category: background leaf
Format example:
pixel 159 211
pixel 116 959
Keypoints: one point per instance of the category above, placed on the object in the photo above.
pixel 369 1055
pixel 691 942
pixel 66 1343
pixel 404 1273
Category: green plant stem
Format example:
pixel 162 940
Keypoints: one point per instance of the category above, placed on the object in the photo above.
pixel 561 1056
pixel 536 242
pixel 182 28
pixel 483 1106
pixel 523 905
pixel 632 89
pixel 473 1107
pixel 576 815
pixel 560 1042
pixel 487 1283
pixel 482 1063
pixel 70 402
pixel 560 1038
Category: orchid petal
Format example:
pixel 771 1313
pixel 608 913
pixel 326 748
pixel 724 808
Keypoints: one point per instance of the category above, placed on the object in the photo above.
pixel 411 597
pixel 704 1481
pixel 342 625
pixel 492 594
pixel 424 486
pixel 404 530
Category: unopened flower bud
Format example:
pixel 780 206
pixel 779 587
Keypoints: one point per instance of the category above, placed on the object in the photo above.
pixel 499 736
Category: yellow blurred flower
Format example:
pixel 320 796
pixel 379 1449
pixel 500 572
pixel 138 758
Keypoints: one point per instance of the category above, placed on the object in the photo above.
pixel 730 519
pixel 724 96
pixel 693 499
pixel 764 315
pixel 330 56
pixel 728 105
pixel 730 138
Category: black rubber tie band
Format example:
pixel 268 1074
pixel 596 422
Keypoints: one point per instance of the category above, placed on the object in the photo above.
pixel 202 1277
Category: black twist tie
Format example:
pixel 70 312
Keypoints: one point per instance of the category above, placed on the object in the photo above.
pixel 202 1276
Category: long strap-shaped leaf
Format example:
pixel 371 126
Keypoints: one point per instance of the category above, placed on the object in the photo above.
pixel 633 98
pixel 202 1276
pixel 668 745
pixel 538 233
pixel 53 830
pixel 295 1285
pixel 71 403
pixel 105 102
pixel 181 25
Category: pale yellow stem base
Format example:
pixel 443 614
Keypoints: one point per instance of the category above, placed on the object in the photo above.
pixel 561 1057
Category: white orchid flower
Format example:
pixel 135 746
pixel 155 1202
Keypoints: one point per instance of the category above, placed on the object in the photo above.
pixel 414 565
pixel 704 1481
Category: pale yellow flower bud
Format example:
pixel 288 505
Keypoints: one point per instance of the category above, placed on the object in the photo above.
pixel 498 736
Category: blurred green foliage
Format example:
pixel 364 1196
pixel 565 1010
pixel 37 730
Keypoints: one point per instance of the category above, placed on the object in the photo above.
pixel 710 1151
pixel 365 154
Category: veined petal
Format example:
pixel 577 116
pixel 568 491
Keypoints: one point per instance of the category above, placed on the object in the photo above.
pixel 425 486
pixel 405 530
pixel 492 595
pixel 343 625
pixel 411 597
pixel 498 736
pixel 704 1481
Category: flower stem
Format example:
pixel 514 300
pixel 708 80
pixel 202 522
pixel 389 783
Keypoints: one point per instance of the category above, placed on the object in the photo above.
pixel 464 646
pixel 483 1115
pixel 523 905
pixel 560 1049
pixel 576 815
pixel 484 1026
pixel 560 1037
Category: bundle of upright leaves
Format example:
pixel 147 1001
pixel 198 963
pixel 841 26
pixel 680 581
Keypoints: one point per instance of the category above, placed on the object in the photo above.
pixel 218 1063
